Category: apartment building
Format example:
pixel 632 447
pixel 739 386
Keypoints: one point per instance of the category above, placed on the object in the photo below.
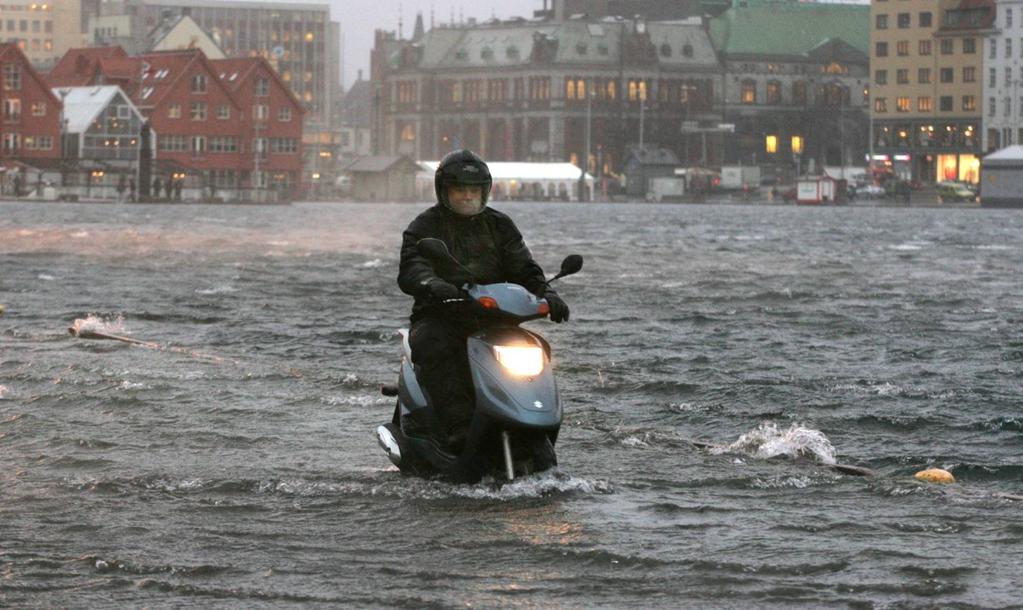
pixel 927 60
pixel 43 31
pixel 1003 81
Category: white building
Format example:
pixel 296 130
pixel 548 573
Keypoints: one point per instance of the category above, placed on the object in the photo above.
pixel 1003 81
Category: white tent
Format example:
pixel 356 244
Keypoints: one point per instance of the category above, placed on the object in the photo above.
pixel 514 180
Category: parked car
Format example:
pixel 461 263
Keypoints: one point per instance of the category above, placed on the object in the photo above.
pixel 955 192
pixel 870 191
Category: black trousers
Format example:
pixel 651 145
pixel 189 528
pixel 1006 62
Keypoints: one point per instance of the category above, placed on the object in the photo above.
pixel 439 352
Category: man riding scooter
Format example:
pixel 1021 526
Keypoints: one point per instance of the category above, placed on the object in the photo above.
pixel 489 245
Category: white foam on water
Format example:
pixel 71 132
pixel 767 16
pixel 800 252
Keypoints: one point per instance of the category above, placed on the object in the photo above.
pixel 46 277
pixel 373 264
pixel 362 400
pixel 766 442
pixel 535 486
pixel 3 390
pixel 223 289
pixel 98 324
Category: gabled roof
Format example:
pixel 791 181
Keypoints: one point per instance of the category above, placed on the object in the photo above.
pixel 357 107
pixel 83 104
pixel 161 70
pixel 183 24
pixel 789 28
pixel 79 67
pixel 234 71
pixel 9 51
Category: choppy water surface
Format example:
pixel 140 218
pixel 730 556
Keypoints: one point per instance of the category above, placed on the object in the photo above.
pixel 232 464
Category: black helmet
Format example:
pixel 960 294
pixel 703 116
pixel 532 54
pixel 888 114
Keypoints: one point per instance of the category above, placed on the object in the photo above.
pixel 461 167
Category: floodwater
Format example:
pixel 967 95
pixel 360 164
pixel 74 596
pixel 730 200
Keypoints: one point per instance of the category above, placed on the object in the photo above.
pixel 231 462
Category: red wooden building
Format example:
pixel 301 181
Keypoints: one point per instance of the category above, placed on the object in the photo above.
pixel 274 121
pixel 228 128
pixel 30 125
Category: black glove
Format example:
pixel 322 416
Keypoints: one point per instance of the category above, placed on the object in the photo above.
pixel 441 291
pixel 559 309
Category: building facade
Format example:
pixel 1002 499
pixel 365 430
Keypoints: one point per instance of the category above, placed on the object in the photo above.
pixel 1003 82
pixel 44 31
pixel 30 123
pixel 572 91
pixel 299 40
pixel 797 96
pixel 229 128
pixel 751 86
pixel 927 60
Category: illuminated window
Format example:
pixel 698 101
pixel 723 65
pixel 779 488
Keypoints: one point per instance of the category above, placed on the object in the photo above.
pixel 749 92
pixel 923 104
pixel 771 144
pixel 797 145
pixel 902 104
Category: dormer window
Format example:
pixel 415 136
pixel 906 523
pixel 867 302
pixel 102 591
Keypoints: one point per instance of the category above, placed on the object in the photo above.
pixel 199 83
pixel 687 50
pixel 487 53
pixel 665 50
pixel 581 48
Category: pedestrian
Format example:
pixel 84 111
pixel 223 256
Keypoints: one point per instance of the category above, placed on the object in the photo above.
pixel 122 185
pixel 156 187
pixel 177 189
pixel 131 190
pixel 168 186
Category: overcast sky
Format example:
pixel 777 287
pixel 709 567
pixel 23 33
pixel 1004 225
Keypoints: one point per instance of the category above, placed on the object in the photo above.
pixel 359 18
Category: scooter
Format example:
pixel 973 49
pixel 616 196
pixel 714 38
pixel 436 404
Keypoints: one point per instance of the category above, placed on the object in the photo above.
pixel 518 410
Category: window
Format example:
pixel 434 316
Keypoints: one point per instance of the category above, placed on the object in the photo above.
pixel 1008 16
pixel 924 47
pixel 946 46
pixel 172 143
pixel 880 104
pixel 902 47
pixel 923 104
pixel 881 77
pixel 969 46
pixel 199 83
pixel 902 104
pixel 749 92
pixel 774 92
pixel 925 19
pixel 283 145
pixel 284 114
pixel 799 92
pixel 174 111
pixel 993 49
pixel 946 75
pixel 198 111
pixel 969 74
pixel 198 145
pixel 262 87
pixel 260 112
pixel 902 76
pixel 923 76
pixel 223 144
pixel 12 110
pixel 991 106
pixel 12 77
pixel 39 109
pixel 1008 47
pixel 992 77
pixel 1008 76
pixel 38 142
pixel 881 22
pixel 12 142
pixel 881 49
pixel 223 112
pixel 903 20
pixel 945 103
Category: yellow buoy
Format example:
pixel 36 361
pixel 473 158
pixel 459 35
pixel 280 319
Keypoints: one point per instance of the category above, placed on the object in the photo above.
pixel 935 475
pixel 1 309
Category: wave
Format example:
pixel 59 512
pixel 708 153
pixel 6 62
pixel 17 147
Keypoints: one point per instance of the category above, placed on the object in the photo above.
pixel 766 442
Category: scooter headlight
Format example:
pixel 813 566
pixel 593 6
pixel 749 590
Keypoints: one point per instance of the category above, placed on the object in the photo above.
pixel 526 361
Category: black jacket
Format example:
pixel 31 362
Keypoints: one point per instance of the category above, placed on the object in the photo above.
pixel 489 244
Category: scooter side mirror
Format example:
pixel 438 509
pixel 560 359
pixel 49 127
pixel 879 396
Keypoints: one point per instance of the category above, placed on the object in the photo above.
pixel 433 249
pixel 573 263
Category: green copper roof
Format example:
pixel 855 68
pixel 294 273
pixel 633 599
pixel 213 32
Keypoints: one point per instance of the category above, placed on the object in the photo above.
pixel 789 28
